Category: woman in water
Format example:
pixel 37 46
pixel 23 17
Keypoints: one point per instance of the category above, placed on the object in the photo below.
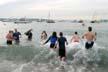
pixel 53 39
pixel 44 35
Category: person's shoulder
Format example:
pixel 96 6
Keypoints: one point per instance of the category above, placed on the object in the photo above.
pixel 93 33
pixel 19 32
pixel 78 36
pixel 64 38
pixel 75 35
pixel 14 33
pixel 86 33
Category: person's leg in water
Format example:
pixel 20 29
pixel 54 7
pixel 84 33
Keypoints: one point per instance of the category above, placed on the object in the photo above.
pixel 62 54
pixel 17 42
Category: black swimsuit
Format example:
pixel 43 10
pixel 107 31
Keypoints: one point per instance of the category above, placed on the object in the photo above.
pixel 89 44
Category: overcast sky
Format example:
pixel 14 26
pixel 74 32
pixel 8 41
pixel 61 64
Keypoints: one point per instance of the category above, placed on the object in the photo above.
pixel 59 9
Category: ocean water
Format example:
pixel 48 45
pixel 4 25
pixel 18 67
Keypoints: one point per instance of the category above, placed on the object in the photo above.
pixel 33 56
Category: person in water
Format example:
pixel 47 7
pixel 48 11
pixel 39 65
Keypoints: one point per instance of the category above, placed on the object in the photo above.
pixel 17 36
pixel 29 34
pixel 53 39
pixel 75 37
pixel 90 37
pixel 44 35
pixel 62 51
pixel 9 37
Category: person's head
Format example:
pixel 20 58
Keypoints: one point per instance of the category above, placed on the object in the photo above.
pixel 61 34
pixel 54 34
pixel 76 32
pixel 30 30
pixel 15 30
pixel 44 32
pixel 89 28
pixel 10 31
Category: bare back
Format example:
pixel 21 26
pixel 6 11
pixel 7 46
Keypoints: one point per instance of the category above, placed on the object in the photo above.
pixel 76 38
pixel 90 36
pixel 9 36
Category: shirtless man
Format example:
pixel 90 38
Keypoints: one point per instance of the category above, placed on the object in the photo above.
pixel 9 37
pixel 75 38
pixel 90 37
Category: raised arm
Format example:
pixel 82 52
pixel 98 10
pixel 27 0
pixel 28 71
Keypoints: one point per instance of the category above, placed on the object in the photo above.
pixel 47 40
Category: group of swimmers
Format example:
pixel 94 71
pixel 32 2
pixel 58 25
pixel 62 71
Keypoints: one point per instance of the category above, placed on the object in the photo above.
pixel 54 40
pixel 61 41
pixel 15 36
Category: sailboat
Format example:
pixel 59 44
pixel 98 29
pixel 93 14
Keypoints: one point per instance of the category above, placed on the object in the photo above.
pixel 50 20
pixel 94 18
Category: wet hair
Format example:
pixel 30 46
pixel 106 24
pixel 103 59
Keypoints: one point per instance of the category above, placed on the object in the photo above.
pixel 89 28
pixel 76 32
pixel 10 31
pixel 61 34
pixel 44 32
pixel 15 30
pixel 30 29
pixel 54 34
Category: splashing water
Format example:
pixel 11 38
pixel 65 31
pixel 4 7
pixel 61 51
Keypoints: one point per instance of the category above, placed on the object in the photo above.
pixel 35 57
